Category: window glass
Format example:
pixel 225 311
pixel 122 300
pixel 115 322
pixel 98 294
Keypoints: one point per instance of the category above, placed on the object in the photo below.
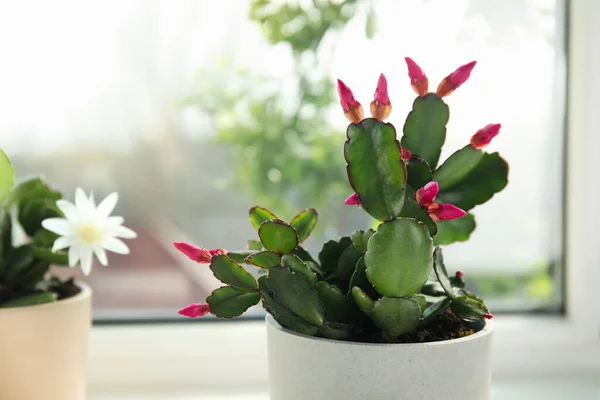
pixel 194 111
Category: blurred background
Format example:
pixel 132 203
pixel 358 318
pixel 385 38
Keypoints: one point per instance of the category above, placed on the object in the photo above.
pixel 196 110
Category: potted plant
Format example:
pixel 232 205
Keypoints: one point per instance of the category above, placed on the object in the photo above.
pixel 376 315
pixel 45 322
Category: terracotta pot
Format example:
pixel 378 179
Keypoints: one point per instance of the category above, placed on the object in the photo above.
pixel 303 367
pixel 44 349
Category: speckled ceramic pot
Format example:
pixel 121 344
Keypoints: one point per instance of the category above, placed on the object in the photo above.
pixel 44 349
pixel 303 368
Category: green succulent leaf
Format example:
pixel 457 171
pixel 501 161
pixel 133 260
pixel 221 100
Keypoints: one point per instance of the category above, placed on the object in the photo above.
pixel 336 330
pixel 240 256
pixel 468 309
pixel 255 245
pixel 29 189
pixel 396 315
pixel 337 307
pixel 359 279
pixel 59 258
pixel 16 261
pixel 441 273
pixel 228 271
pixel 347 263
pixel 5 236
pixel 264 259
pixel 294 292
pixel 457 167
pixel 330 254
pixel 304 223
pixel 374 168
pixel 433 310
pixel 283 315
pixel 30 300
pixel 278 236
pixel 229 301
pixel 425 128
pixel 421 300
pixel 361 238
pixel 31 275
pixel 489 177
pixel 7 176
pixel 419 172
pixel 363 301
pixel 258 215
pixel 413 210
pixel 295 264
pixel 455 230
pixel 433 289
pixel 399 257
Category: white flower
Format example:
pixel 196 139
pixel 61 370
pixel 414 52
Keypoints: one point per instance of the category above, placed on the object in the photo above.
pixel 88 230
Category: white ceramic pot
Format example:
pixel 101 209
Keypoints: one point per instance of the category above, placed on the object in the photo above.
pixel 44 349
pixel 303 367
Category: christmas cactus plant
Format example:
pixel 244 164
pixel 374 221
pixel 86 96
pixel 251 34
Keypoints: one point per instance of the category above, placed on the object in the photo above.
pixel 382 285
pixel 37 226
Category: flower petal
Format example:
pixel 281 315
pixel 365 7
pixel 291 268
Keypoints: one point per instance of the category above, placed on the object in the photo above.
pixel 74 253
pixel 86 260
pixel 123 232
pixel 115 245
pixel 67 208
pixel 197 254
pixel 418 80
pixel 107 205
pixel 352 200
pixel 194 310
pixel 81 200
pixel 62 243
pixel 101 255
pixel 60 226
pixel 352 109
pixel 115 220
pixel 426 195
pixel 455 79
pixel 443 212
pixel 484 136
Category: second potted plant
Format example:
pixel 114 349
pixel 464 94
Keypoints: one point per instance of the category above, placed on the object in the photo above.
pixel 376 314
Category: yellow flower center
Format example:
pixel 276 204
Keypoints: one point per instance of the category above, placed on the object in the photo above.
pixel 89 233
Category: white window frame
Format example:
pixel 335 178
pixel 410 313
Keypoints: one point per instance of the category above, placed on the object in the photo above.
pixel 231 356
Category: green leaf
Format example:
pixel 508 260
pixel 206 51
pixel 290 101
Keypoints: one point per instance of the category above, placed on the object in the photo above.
pixel 304 223
pixel 330 254
pixel 239 256
pixel 361 238
pixel 337 307
pixel 15 262
pixel 347 263
pixel 7 176
pixel 44 238
pixel 421 300
pixel 432 311
pixel 5 236
pixel 31 275
pixel 359 279
pixel 441 273
pixel 425 128
pixel 455 230
pixel 399 257
pixel 433 289
pixel 295 264
pixel 396 315
pixel 336 330
pixel 374 168
pixel 363 301
pixel 284 316
pixel 264 259
pixel 60 257
pixel 29 189
pixel 278 236
pixel 489 177
pixel 255 245
pixel 229 302
pixel 34 211
pixel 258 215
pixel 468 309
pixel 457 167
pixel 228 271
pixel 419 172
pixel 413 210
pixel 295 293
pixel 30 300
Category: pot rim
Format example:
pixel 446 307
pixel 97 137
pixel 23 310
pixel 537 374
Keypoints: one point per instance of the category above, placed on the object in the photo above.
pixel 85 293
pixel 485 331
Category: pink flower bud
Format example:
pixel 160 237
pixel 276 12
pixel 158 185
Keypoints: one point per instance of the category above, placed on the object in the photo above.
pixel 455 79
pixel 381 106
pixel 484 136
pixel 460 274
pixel 426 195
pixel 418 80
pixel 405 154
pixel 197 254
pixel 489 316
pixel 443 212
pixel 217 252
pixel 352 200
pixel 352 108
pixel 194 310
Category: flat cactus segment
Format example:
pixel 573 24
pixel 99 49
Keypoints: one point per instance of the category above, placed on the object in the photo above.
pixel 278 236
pixel 304 223
pixel 229 302
pixel 258 215
pixel 454 230
pixel 457 167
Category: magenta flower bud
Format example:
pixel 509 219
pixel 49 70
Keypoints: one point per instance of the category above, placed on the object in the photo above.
pixel 352 200
pixel 484 136
pixel 418 80
pixel 197 254
pixel 405 154
pixel 352 108
pixel 460 274
pixel 426 195
pixel 489 316
pixel 217 252
pixel 381 106
pixel 455 79
pixel 194 310
pixel 443 212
